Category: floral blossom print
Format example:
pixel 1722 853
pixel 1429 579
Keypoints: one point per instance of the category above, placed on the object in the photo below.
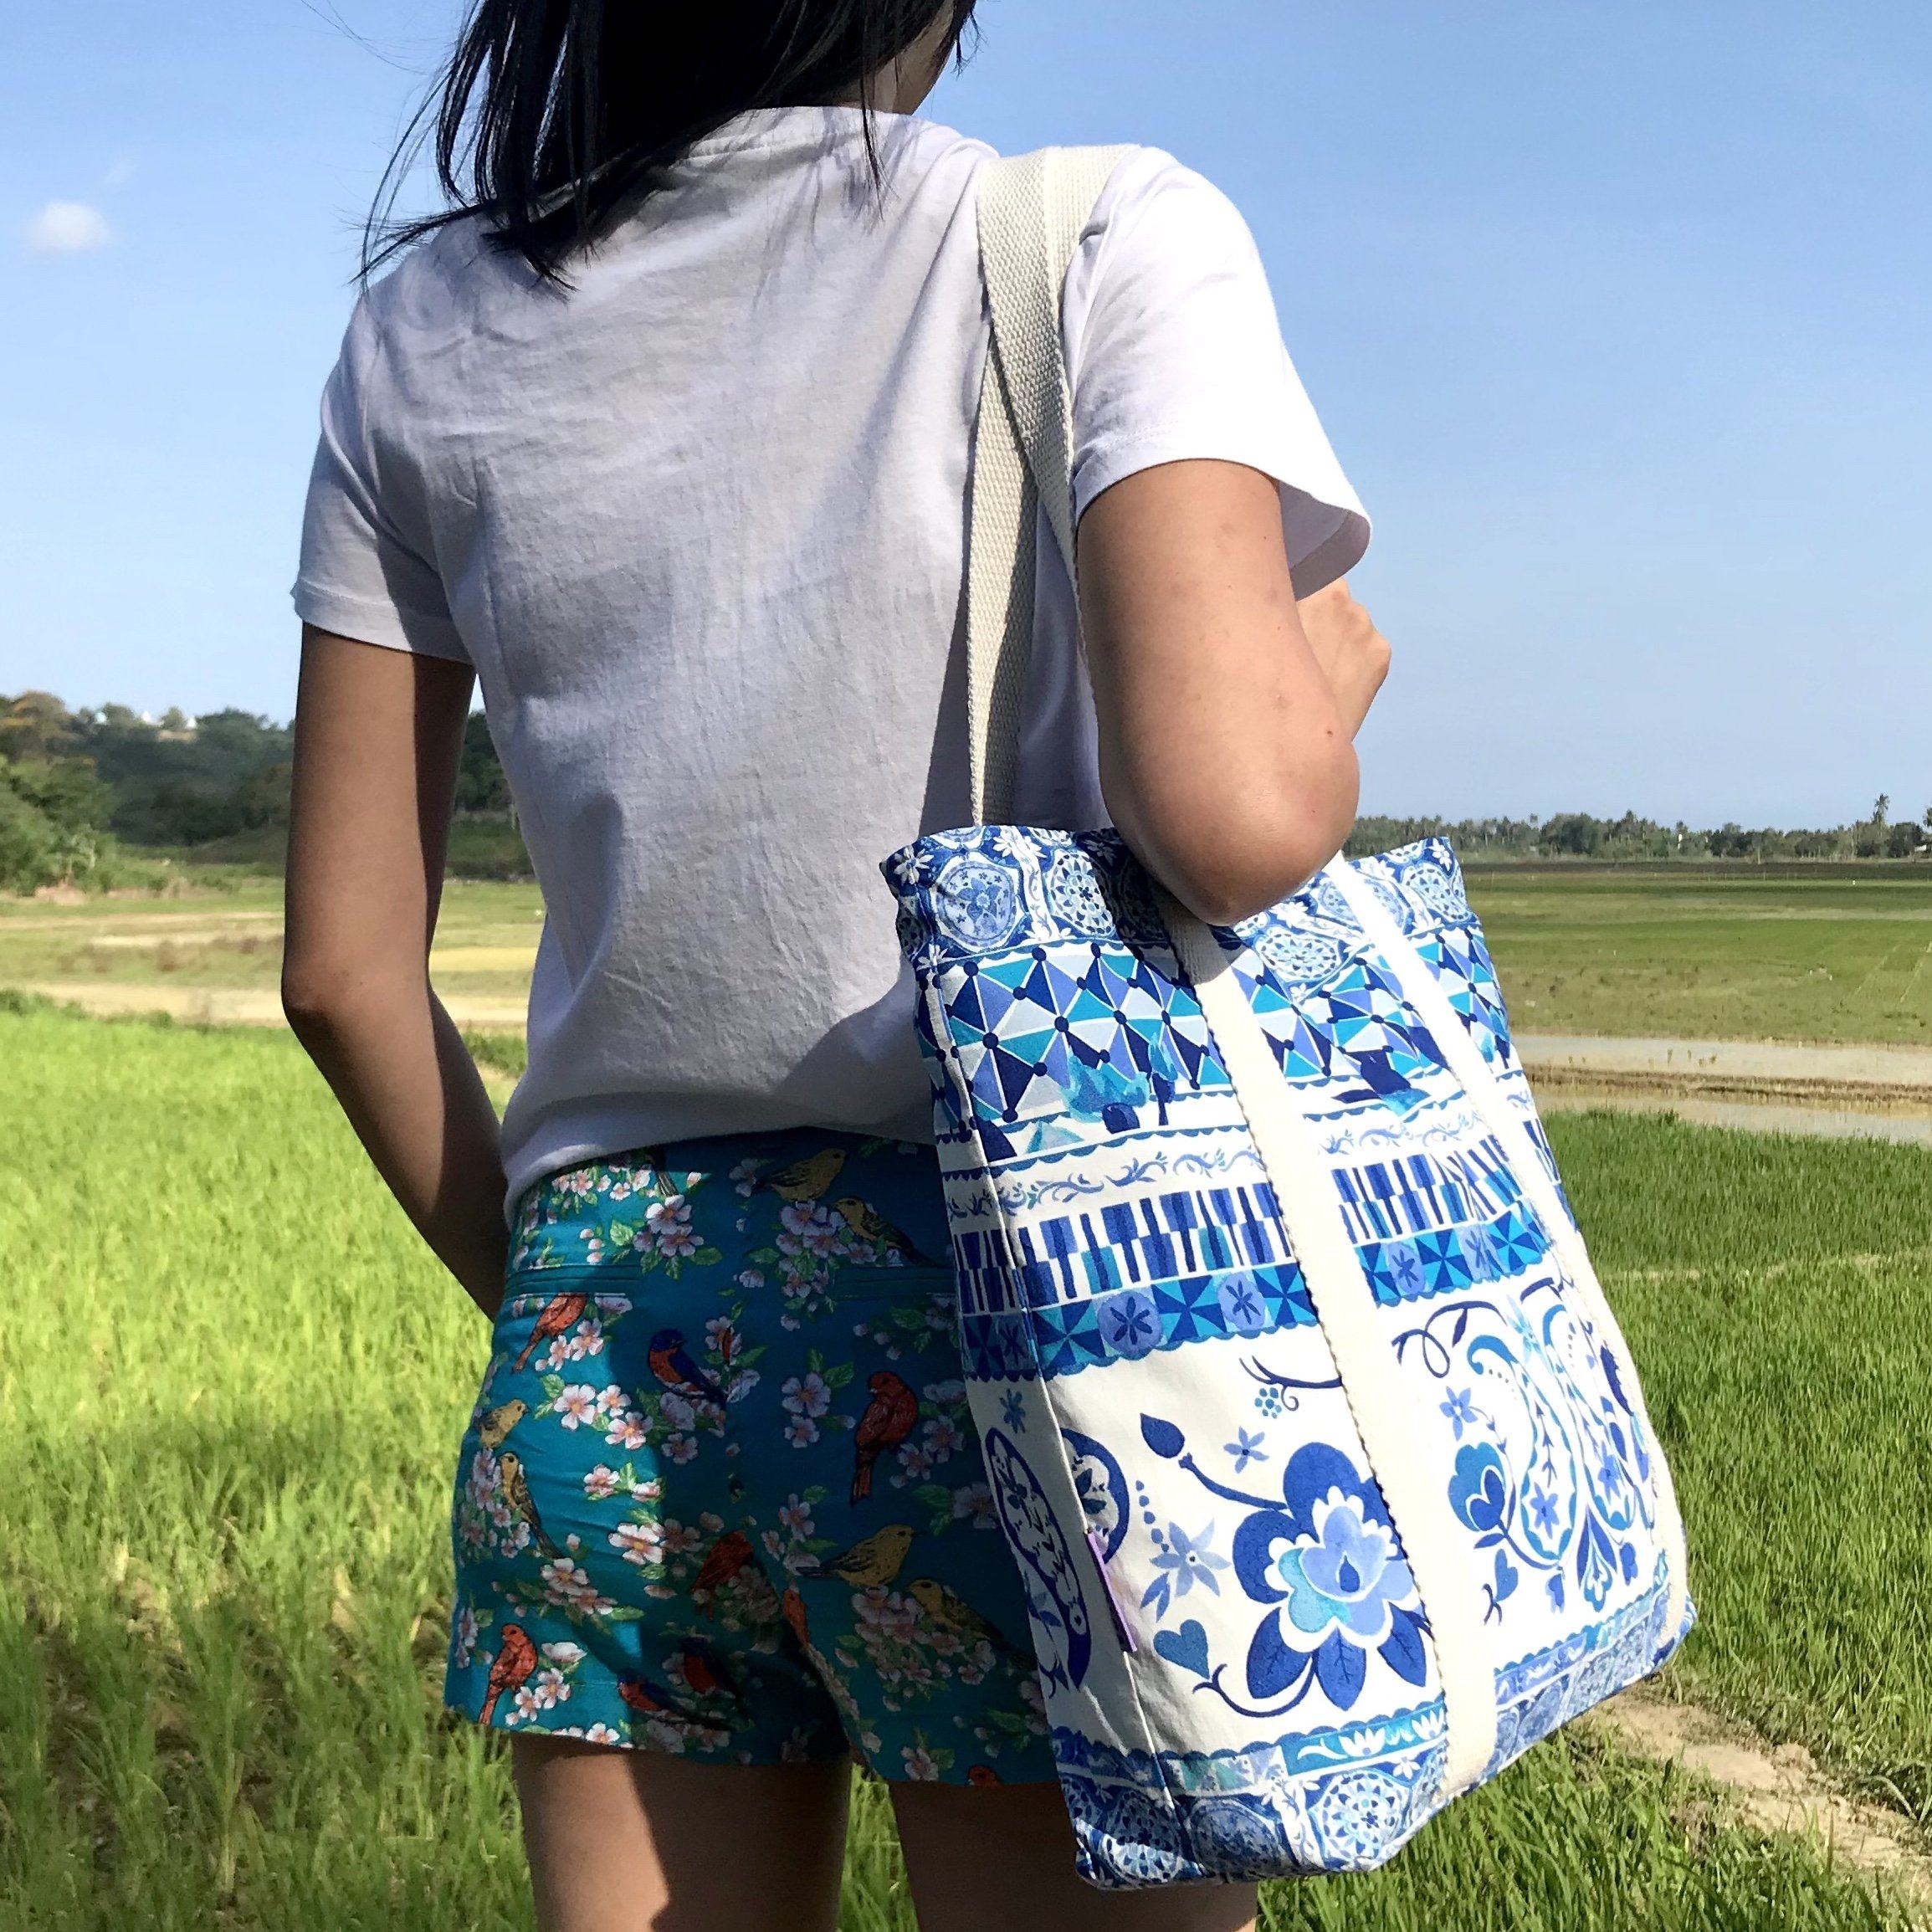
pixel 722 1495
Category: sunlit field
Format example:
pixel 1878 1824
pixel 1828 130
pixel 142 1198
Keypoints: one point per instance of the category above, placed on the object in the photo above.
pixel 1841 953
pixel 233 1390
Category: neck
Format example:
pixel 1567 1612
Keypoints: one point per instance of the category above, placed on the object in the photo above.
pixel 900 86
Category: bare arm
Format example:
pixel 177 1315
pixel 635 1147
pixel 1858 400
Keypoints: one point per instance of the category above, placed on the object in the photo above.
pixel 378 734
pixel 1226 753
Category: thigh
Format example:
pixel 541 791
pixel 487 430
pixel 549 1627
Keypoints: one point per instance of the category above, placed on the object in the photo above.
pixel 638 1841
pixel 1002 1858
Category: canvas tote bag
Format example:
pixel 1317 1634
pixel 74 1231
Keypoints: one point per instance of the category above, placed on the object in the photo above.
pixel 1314 1440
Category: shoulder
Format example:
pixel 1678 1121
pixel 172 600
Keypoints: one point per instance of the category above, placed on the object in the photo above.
pixel 433 283
pixel 1157 205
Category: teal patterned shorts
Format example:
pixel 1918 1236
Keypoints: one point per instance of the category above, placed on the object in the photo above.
pixel 721 1495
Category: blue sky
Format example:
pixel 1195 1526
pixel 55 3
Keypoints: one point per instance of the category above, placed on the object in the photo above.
pixel 1615 312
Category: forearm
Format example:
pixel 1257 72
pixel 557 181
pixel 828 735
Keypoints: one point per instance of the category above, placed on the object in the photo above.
pixel 396 1063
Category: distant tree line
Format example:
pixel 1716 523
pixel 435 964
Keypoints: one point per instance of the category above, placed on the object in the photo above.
pixel 1572 835
pixel 86 796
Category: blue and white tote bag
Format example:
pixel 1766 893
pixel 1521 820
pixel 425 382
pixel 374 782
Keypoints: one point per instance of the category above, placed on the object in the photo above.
pixel 1310 1427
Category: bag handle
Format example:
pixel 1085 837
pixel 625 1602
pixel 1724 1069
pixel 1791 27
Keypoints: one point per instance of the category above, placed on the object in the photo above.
pixel 1032 211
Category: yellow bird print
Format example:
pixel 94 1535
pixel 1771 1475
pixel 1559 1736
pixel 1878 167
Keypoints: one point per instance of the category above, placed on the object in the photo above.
pixel 493 1425
pixel 872 1561
pixel 868 1224
pixel 949 1610
pixel 807 1179
pixel 516 1493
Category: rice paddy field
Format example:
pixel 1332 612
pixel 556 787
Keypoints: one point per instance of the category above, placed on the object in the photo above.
pixel 1837 953
pixel 232 1388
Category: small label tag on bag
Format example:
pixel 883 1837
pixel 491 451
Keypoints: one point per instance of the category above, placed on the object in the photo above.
pixel 1120 1623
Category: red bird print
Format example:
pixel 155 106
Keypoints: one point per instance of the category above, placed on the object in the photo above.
pixel 723 1561
pixel 647 1699
pixel 889 1418
pixel 792 1608
pixel 516 1659
pixel 671 1364
pixel 701 1667
pixel 641 1698
pixel 560 1313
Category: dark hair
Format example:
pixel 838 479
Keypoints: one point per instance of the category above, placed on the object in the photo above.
pixel 554 114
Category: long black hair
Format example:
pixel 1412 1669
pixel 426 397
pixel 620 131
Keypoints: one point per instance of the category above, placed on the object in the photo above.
pixel 553 114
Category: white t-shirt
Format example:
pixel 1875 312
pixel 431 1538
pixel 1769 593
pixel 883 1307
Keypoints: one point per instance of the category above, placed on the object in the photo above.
pixel 699 523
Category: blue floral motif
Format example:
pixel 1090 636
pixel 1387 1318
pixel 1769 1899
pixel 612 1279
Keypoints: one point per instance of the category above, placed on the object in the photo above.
pixel 1327 1562
pixel 1074 892
pixel 1246 1448
pixel 1046 1563
pixel 976 900
pixel 1130 1323
pixel 1555 1488
pixel 1347 1575
pixel 1479 1491
pixel 1183 1561
pixel 1243 1303
pixel 1596 1571
pixel 1101 1485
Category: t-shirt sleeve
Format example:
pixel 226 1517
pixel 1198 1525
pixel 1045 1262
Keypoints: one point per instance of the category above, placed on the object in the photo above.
pixel 1175 350
pixel 367 568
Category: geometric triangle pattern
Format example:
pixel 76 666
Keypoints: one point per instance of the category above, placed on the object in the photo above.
pixel 1083 1027
pixel 1458 958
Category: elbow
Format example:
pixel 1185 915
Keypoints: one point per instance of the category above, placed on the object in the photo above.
pixel 324 999
pixel 1235 856
pixel 314 999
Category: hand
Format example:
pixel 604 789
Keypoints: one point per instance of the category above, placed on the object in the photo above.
pixel 1353 654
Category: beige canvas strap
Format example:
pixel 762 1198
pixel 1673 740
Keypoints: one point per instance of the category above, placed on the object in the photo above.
pixel 1032 211
pixel 1433 1543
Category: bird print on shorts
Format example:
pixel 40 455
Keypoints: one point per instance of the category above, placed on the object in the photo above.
pixel 493 1425
pixel 723 1561
pixel 872 1561
pixel 869 1225
pixel 516 1659
pixel 808 1179
pixel 671 1363
pixel 890 1417
pixel 559 1314
pixel 516 1493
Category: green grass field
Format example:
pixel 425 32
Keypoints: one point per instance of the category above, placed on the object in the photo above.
pixel 1835 954
pixel 233 1388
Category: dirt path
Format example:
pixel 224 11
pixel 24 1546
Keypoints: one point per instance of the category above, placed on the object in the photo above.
pixel 247 1006
pixel 1761 1067
pixel 1827 1093
pixel 1782 1116
pixel 1773 1791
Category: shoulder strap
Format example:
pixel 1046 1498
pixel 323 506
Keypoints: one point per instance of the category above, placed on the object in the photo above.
pixel 1033 210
